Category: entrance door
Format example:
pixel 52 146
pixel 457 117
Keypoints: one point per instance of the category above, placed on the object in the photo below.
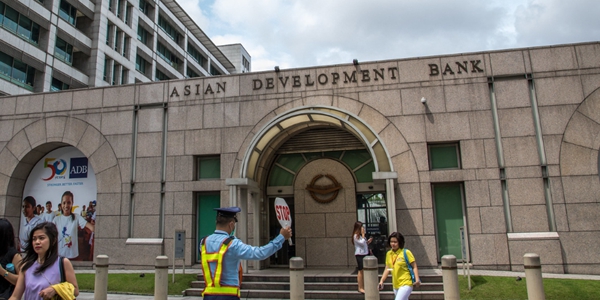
pixel 281 257
pixel 371 210
pixel 449 218
pixel 207 216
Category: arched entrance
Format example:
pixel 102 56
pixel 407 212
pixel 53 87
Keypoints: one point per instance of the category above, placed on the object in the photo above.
pixel 309 138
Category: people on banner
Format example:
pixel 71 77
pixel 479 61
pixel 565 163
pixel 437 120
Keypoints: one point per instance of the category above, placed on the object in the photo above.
pixel 49 215
pixel 28 221
pixel 68 224
pixel 41 268
pixel 9 259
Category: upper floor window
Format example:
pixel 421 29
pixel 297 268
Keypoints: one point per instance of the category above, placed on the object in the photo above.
pixel 191 73
pixel 142 34
pixel 214 71
pixel 444 156
pixel 140 64
pixel 16 71
pixel 167 55
pixel 209 167
pixel 13 21
pixel 63 50
pixel 168 28
pixel 67 12
pixel 195 54
pixel 58 85
pixel 160 76
pixel 143 6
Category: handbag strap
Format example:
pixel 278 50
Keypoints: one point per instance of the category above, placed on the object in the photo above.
pixel 410 269
pixel 61 268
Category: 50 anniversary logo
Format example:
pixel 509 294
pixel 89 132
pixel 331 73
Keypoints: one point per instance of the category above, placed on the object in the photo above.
pixel 59 167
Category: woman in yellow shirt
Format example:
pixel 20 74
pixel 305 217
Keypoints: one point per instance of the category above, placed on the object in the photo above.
pixel 395 262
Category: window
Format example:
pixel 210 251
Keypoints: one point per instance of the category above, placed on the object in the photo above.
pixel 444 156
pixel 124 73
pixel 142 34
pixel 21 25
pixel 67 12
pixel 109 32
pixel 246 64
pixel 125 46
pixel 119 8
pixel 214 71
pixel 161 76
pixel 168 28
pixel 209 167
pixel 63 51
pixel 115 74
pixel 140 64
pixel 118 38
pixel 166 54
pixel 107 62
pixel 16 71
pixel 191 73
pixel 58 85
pixel 143 6
pixel 195 54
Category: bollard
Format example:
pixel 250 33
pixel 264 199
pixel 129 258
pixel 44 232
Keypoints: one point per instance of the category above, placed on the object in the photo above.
pixel 296 278
pixel 101 280
pixel 533 276
pixel 370 270
pixel 161 278
pixel 450 277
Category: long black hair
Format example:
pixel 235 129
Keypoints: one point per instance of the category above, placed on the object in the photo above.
pixel 7 236
pixel 52 253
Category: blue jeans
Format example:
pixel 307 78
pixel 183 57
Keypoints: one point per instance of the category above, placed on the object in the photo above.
pixel 209 297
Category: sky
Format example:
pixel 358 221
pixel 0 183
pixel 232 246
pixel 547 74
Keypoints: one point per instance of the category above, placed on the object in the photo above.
pixel 308 33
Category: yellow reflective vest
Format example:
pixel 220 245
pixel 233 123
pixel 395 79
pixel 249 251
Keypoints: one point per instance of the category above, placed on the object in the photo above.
pixel 213 281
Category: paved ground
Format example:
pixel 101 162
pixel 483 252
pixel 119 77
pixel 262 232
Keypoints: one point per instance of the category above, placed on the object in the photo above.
pixel 309 272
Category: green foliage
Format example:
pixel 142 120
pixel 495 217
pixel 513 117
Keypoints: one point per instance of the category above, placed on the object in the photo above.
pixel 132 283
pixel 508 288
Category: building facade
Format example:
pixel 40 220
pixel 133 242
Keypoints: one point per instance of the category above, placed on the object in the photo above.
pixel 496 151
pixel 51 45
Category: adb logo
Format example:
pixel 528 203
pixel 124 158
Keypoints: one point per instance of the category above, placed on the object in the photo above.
pixel 59 167
pixel 79 167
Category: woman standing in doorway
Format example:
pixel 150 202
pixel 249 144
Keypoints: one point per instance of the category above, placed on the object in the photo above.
pixel 394 261
pixel 39 276
pixel 361 249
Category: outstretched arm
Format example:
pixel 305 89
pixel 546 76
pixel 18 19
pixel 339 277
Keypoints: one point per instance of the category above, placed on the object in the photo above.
pixel 259 253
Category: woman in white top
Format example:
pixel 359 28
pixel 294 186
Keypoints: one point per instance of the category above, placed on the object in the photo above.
pixel 68 224
pixel 361 249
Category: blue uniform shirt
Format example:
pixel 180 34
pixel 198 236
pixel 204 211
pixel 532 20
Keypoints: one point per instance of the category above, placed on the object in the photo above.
pixel 236 252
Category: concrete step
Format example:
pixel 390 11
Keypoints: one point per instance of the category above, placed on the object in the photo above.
pixel 310 286
pixel 323 294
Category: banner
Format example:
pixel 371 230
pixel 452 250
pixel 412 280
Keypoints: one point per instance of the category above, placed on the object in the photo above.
pixel 59 172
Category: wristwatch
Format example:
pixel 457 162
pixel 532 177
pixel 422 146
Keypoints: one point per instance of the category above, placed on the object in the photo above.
pixel 6 274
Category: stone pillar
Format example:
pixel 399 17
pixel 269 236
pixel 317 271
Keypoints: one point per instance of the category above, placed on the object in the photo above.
pixel 450 277
pixel 101 279
pixel 296 278
pixel 161 278
pixel 533 276
pixel 370 270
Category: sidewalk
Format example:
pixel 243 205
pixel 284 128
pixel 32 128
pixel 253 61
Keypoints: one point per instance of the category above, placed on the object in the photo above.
pixel 308 272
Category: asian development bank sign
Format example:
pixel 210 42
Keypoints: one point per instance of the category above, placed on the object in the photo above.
pixel 341 78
